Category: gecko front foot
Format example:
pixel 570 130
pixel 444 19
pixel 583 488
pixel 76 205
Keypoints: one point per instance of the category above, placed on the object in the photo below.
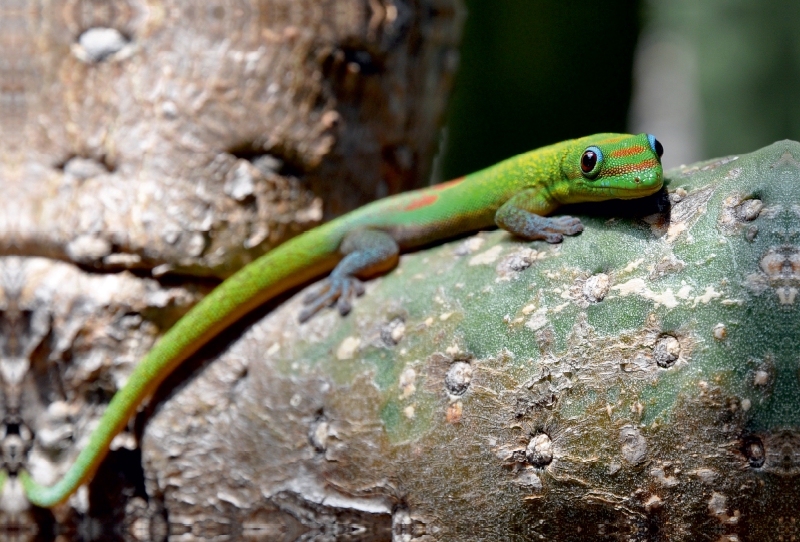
pixel 336 289
pixel 531 226
pixel 555 228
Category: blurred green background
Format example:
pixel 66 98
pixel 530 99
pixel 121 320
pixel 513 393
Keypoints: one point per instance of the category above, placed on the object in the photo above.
pixel 707 78
pixel 534 72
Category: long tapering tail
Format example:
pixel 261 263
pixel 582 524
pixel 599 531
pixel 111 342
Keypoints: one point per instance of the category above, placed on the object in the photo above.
pixel 291 264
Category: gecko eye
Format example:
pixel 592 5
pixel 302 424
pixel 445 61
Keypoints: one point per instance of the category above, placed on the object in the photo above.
pixel 655 144
pixel 591 161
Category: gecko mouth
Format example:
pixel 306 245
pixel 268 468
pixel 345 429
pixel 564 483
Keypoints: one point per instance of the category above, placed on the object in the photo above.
pixel 641 187
pixel 633 192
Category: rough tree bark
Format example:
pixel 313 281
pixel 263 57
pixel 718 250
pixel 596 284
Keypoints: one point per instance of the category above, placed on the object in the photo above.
pixel 149 149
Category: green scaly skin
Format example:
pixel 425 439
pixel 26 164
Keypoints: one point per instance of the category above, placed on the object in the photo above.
pixel 514 194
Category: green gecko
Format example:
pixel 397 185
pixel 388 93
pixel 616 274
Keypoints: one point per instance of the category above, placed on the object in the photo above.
pixel 515 195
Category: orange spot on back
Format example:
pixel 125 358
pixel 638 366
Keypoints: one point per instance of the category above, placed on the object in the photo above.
pixel 422 201
pixel 629 151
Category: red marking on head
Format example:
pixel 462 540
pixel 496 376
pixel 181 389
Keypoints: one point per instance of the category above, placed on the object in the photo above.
pixel 448 184
pixel 628 151
pixel 422 201
pixel 630 168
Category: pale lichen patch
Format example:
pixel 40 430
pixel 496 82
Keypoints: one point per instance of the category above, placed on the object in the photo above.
pixel 707 296
pixel 675 229
pixel 508 320
pixel 470 246
pixel 561 307
pixel 347 348
pixel 407 382
pixel 666 298
pixel 632 266
pixel 662 478
pixel 639 287
pixel 633 286
pixel 538 320
pixel 487 257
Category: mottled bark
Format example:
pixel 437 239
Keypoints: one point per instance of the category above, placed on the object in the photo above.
pixel 192 136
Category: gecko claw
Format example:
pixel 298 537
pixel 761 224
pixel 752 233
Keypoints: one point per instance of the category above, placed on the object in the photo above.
pixel 338 290
pixel 568 225
pixel 555 228
pixel 318 291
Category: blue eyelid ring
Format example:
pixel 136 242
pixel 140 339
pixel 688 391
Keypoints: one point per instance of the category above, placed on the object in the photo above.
pixel 655 144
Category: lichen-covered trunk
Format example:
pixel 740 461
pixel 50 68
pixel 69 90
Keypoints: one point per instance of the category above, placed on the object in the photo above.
pixel 637 382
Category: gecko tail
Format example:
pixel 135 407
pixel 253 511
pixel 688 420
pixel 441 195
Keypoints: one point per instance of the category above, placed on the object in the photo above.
pixel 292 264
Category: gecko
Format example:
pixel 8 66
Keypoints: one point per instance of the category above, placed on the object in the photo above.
pixel 516 195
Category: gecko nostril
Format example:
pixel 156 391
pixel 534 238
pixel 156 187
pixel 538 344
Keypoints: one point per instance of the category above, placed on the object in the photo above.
pixel 637 180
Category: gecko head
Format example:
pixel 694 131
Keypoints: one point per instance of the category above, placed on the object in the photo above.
pixel 612 166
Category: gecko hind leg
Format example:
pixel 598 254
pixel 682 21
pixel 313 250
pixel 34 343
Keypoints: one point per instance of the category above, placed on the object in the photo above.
pixel 366 253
